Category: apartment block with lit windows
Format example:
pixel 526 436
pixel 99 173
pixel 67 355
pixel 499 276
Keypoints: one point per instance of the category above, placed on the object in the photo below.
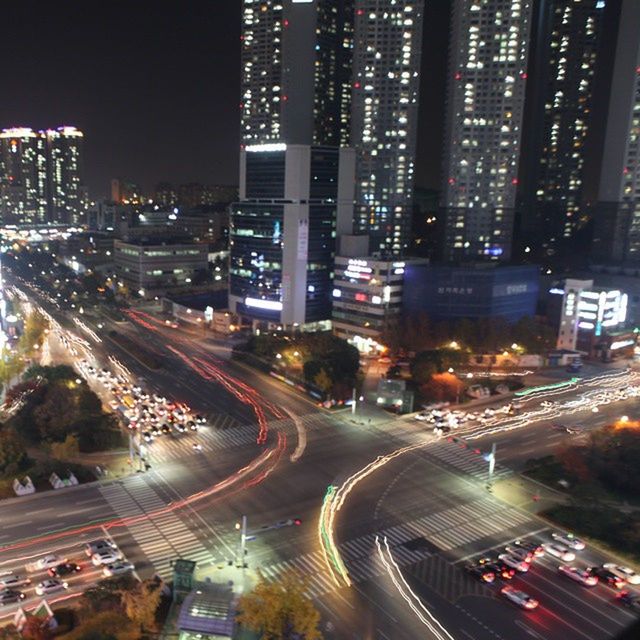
pixel 386 65
pixel 484 117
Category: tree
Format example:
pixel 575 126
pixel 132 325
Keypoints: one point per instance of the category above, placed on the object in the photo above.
pixel 10 366
pixel 66 450
pixel 443 387
pixel 106 595
pixel 34 327
pixel 56 373
pixel 141 603
pixel 106 625
pixel 36 628
pixel 323 381
pixel 9 632
pixel 280 610
pixel 54 417
pixel 12 451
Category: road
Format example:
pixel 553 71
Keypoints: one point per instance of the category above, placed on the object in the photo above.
pixel 430 504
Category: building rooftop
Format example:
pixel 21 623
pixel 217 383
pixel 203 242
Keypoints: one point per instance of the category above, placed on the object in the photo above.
pixel 208 611
pixel 160 241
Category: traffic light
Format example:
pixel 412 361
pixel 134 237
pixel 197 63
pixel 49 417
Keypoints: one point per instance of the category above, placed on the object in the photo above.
pixel 297 521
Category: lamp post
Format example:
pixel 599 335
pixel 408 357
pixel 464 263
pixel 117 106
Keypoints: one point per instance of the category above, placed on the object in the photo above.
pixel 492 465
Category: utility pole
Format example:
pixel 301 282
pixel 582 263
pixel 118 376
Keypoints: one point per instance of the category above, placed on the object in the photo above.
pixel 243 539
pixel 353 402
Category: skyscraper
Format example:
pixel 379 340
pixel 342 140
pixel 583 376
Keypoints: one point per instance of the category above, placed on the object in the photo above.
pixel 386 65
pixel 565 54
pixel 67 195
pixel 617 228
pixel 294 180
pixel 485 104
pixel 296 64
pixel 23 176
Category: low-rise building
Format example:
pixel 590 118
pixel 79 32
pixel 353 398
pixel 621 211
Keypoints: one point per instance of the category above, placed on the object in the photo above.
pixel 367 299
pixel 156 265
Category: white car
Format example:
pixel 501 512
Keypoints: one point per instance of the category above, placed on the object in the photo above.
pixel 558 551
pixel 117 568
pixel 519 598
pixel 50 560
pixel 422 416
pixel 95 546
pixel 106 557
pixel 579 575
pixel 13 581
pixel 626 573
pixel 46 587
pixel 569 540
pixel 515 563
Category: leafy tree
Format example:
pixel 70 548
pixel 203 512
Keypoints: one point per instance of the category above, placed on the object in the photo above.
pixel 60 372
pixel 106 595
pixel 54 417
pixel 11 366
pixel 34 327
pixel 36 628
pixel 67 449
pixel 141 603
pixel 280 610
pixel 9 632
pixel 323 381
pixel 443 387
pixel 106 625
pixel 12 451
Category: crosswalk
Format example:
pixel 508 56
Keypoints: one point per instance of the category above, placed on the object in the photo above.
pixel 469 461
pixel 411 542
pixel 163 537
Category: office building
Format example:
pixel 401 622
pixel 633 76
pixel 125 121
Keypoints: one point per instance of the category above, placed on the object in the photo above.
pixel 484 116
pixel 23 176
pixel 481 290
pixel 565 56
pixel 296 61
pixel 126 192
pixel 367 299
pixel 386 65
pixel 165 195
pixel 617 221
pixel 283 233
pixel 158 264
pixel 67 194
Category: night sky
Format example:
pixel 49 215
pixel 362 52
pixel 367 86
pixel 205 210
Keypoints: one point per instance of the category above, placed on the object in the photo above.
pixel 155 85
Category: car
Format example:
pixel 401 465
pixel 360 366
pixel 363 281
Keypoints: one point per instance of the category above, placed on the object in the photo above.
pixel 192 425
pixel 519 552
pixel 11 596
pixel 514 563
pixel 50 560
pixel 106 557
pixel 606 577
pixel 628 599
pixel 422 416
pixel 483 573
pixel 10 581
pixel 155 430
pixel 534 547
pixel 582 576
pixel 558 551
pixel 626 573
pixel 200 419
pixel 569 540
pixel 46 587
pixel 519 598
pixel 95 546
pixel 117 568
pixel 441 430
pixel 499 568
pixel 64 569
pixel 147 436
pixel 179 427
pixel 165 428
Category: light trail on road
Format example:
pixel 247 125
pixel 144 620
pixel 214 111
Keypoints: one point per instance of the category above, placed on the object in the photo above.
pixel 272 455
pixel 408 595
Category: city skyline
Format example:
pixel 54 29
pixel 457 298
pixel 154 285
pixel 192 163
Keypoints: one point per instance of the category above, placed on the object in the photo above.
pixel 159 103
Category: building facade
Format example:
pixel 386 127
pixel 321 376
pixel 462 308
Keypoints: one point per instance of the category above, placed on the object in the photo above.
pixel 283 232
pixel 471 291
pixel 67 194
pixel 386 65
pixel 157 265
pixel 565 57
pixel 617 224
pixel 23 176
pixel 485 105
pixel 296 61
pixel 367 299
